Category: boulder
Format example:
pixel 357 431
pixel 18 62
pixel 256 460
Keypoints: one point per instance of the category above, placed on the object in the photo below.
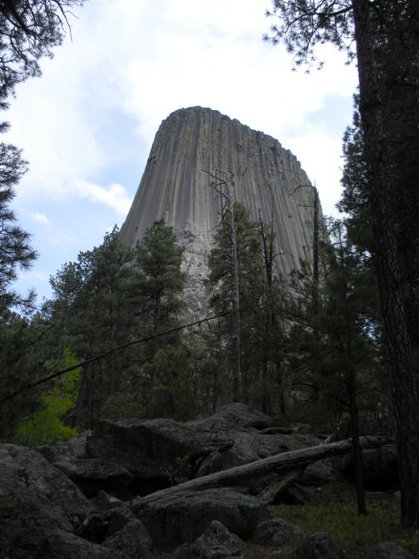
pixel 389 550
pixel 233 417
pixel 92 475
pixel 118 529
pixel 102 524
pixel 184 516
pixel 153 450
pixel 67 449
pixel 104 501
pixel 215 543
pixel 35 498
pixel 322 471
pixel 133 540
pixel 316 546
pixel 253 437
pixel 64 545
pixel 278 532
pixel 160 452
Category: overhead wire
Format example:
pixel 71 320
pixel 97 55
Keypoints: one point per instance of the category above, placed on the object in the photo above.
pixel 107 354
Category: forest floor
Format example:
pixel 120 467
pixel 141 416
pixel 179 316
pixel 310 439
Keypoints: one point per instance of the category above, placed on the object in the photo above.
pixel 333 510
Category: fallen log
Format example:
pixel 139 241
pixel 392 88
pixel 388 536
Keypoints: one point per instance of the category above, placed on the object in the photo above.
pixel 286 461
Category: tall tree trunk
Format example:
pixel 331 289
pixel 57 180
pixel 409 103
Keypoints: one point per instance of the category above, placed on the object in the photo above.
pixel 236 372
pixel 404 387
pixel 356 445
pixel 315 295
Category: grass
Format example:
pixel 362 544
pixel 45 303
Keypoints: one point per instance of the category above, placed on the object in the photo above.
pixel 352 533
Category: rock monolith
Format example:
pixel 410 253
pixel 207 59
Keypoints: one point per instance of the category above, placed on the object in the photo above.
pixel 196 146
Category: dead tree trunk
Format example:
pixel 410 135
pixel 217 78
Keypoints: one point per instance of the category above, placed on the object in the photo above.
pixel 223 183
pixel 285 462
pixel 237 373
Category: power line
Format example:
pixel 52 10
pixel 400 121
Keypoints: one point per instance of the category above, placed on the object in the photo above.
pixel 110 352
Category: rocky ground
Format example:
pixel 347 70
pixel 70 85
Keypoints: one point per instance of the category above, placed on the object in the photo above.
pixel 117 493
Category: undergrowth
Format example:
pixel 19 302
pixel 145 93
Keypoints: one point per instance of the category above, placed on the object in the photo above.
pixel 353 534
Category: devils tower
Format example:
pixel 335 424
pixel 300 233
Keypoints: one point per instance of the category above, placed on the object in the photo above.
pixel 265 177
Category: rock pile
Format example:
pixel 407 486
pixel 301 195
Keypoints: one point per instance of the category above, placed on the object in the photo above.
pixel 44 514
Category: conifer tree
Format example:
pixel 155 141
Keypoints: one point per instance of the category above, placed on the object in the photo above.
pixel 259 292
pixel 90 312
pixel 28 30
pixel 343 385
pixel 351 349
pixel 162 373
pixel 367 30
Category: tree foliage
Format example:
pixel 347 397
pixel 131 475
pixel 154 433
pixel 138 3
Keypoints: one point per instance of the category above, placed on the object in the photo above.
pixel 259 295
pixel 29 29
pixel 46 425
pixel 162 374
pixel 375 30
pixel 15 250
pixel 115 294
pixel 21 360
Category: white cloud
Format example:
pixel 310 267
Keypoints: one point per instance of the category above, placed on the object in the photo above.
pixel 115 195
pixel 136 60
pixel 39 218
pixel 325 174
pixel 130 64
pixel 63 239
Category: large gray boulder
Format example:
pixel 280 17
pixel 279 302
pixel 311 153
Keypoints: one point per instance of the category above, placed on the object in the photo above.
pixel 233 417
pixel 184 516
pixel 316 546
pixel 65 449
pixel 253 437
pixel 152 449
pixel 118 529
pixel 35 498
pixel 102 524
pixel 63 545
pixel 215 543
pixel 160 452
pixel 277 532
pixel 133 540
pixel 92 475
pixel 389 550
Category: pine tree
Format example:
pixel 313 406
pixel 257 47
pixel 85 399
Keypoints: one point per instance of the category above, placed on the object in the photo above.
pixel 15 249
pixel 28 30
pixel 367 30
pixel 250 266
pixel 21 362
pixel 91 312
pixel 163 381
pixel 350 345
pixel 336 352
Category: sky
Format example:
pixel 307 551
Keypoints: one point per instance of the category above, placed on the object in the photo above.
pixel 87 124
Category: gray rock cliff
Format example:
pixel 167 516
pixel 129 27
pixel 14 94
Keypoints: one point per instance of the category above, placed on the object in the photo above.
pixel 266 178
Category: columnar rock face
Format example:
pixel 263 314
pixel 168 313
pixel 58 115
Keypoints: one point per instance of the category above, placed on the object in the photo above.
pixel 259 172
